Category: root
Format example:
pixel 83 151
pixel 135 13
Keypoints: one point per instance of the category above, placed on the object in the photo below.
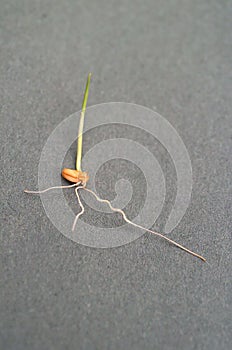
pixel 81 205
pixel 117 210
pixel 51 188
pixel 141 227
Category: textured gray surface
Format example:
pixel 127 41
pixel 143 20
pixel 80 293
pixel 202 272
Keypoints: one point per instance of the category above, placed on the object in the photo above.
pixel 175 56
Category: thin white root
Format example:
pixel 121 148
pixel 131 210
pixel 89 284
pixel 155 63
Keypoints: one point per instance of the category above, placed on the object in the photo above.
pixel 52 188
pixel 117 210
pixel 141 227
pixel 81 205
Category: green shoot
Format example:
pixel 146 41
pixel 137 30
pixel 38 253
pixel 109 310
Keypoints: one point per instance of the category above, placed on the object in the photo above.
pixel 81 124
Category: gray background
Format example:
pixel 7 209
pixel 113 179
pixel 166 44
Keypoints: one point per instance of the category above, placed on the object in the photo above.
pixel 173 56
